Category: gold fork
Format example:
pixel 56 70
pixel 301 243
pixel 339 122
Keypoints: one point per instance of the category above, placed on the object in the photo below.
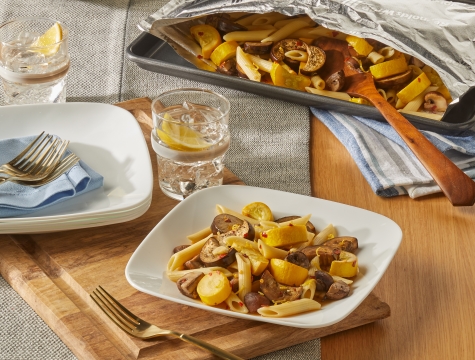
pixel 67 163
pixel 21 162
pixel 137 327
pixel 41 165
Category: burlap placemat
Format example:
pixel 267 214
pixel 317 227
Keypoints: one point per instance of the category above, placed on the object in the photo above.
pixel 270 138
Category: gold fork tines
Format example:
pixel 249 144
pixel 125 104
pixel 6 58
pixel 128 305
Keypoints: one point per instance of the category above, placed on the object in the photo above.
pixel 137 327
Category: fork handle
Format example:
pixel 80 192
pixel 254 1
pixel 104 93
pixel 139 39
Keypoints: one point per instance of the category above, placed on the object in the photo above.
pixel 207 346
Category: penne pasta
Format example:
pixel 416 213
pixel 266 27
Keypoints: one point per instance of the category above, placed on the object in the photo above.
pixel 386 52
pixel 177 274
pixel 270 252
pixel 248 20
pixel 224 210
pixel 281 23
pixel 261 27
pixel 289 308
pixel 298 55
pixel 314 265
pixel 391 95
pixel 244 275
pixel 262 64
pixel 332 94
pixel 300 221
pixel 235 304
pixel 317 82
pixel 382 92
pixel 309 287
pixel 346 281
pixel 240 242
pixel 247 66
pixel 284 32
pixel 178 259
pixel 326 234
pixel 268 19
pixel 375 57
pixel 199 235
pixel 399 103
pixel 256 35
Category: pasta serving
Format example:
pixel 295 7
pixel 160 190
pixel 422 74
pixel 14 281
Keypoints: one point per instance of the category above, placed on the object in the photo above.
pixel 249 262
pixel 284 51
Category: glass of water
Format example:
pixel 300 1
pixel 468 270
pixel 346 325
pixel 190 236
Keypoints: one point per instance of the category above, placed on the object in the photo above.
pixel 34 60
pixel 190 137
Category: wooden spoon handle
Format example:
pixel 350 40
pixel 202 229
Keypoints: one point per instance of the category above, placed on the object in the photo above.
pixel 455 184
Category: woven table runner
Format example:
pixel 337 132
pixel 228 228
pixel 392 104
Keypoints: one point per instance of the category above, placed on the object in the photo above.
pixel 270 138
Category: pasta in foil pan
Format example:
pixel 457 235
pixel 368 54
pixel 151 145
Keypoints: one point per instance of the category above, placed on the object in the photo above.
pixel 440 34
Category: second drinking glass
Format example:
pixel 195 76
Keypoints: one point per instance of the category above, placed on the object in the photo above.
pixel 190 138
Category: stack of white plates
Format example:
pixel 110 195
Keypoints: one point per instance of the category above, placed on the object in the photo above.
pixel 105 137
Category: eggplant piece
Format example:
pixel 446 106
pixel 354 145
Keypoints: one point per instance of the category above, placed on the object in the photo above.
pixel 278 51
pixel 209 259
pixel 254 301
pixel 226 225
pixel 257 48
pixel 310 227
pixel 194 263
pixel 336 81
pixel 345 243
pixel 275 292
pixel 298 258
pixel 324 280
pixel 188 283
pixel 310 251
pixel 225 26
pixel 338 290
pixel 327 255
pixel 293 64
pixel 316 59
pixel 394 80
pixel 228 67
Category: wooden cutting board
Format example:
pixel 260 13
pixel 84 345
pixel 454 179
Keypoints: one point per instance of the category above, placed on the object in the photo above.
pixel 56 272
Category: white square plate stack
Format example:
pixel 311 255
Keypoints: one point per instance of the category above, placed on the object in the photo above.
pixel 105 137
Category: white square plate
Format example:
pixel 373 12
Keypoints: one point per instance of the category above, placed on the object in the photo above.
pixel 105 137
pixel 378 237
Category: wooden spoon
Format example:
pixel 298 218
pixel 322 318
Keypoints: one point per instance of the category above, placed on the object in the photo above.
pixel 455 184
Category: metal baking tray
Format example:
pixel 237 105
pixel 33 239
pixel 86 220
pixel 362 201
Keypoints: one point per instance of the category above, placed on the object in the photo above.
pixel 154 54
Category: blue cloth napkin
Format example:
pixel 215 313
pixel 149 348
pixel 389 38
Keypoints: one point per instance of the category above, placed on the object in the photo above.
pixel 18 199
pixel 384 159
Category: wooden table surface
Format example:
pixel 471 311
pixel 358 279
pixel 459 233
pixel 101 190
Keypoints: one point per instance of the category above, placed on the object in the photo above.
pixel 429 284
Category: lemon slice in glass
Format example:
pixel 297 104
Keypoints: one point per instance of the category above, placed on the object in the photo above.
pixel 181 137
pixel 49 41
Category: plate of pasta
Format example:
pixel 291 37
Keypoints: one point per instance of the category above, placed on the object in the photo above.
pixel 265 255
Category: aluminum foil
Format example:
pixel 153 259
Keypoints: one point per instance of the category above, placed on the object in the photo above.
pixel 439 33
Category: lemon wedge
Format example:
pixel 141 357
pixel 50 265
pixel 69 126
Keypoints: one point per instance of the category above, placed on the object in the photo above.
pixel 181 137
pixel 49 41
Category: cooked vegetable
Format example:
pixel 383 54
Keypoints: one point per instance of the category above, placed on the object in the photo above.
pixel 345 243
pixel 188 283
pixel 336 81
pixel 223 52
pixel 287 273
pixel 324 280
pixel 257 48
pixel 254 301
pixel 213 288
pixel 338 290
pixel 435 101
pixel 298 258
pixel 275 292
pixel 346 266
pixel 258 210
pixel 215 254
pixel 228 225
pixel 286 235
pixel 208 38
pixel 310 227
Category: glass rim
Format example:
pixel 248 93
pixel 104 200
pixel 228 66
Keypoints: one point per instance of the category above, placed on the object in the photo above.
pixel 65 32
pixel 189 90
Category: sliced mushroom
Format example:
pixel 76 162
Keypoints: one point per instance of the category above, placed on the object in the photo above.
pixel 336 81
pixel 194 263
pixel 338 290
pixel 275 292
pixel 234 282
pixel 435 101
pixel 188 283
pixel 257 48
pixel 228 67
pixel 324 280
pixel 394 80
pixel 310 227
pixel 327 255
pixel 310 251
pixel 316 59
pixel 298 258
pixel 179 248
pixel 345 243
pixel 210 257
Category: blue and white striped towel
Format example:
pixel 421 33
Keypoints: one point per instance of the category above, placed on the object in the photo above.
pixel 384 159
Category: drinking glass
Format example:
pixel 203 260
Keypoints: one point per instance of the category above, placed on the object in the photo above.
pixel 190 137
pixel 33 67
